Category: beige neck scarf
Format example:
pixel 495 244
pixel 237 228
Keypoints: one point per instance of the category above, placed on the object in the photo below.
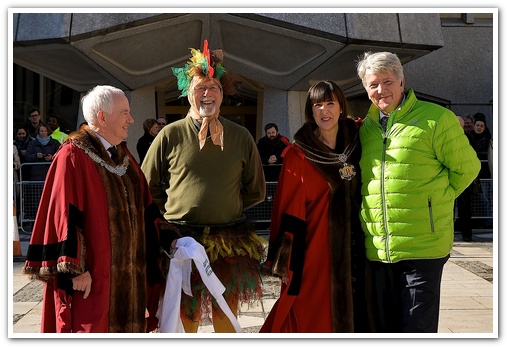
pixel 216 130
pixel 212 123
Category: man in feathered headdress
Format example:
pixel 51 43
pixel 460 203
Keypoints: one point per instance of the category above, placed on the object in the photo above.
pixel 203 171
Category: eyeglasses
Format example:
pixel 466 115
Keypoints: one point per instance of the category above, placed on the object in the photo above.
pixel 35 115
pixel 211 89
pixel 160 123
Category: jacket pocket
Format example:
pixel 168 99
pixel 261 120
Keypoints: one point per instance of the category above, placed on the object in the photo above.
pixel 430 211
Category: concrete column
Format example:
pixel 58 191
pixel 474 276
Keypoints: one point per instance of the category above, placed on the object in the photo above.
pixel 286 109
pixel 142 107
pixel 296 111
pixel 275 110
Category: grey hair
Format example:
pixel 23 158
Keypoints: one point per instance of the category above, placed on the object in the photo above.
pixel 379 62
pixel 99 98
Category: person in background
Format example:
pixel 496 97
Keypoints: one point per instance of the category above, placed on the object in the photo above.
pixel 203 171
pixel 490 157
pixel 316 241
pixel 272 145
pixel 482 136
pixel 41 150
pixel 21 141
pixel 33 122
pixel 464 200
pixel 151 129
pixel 56 133
pixel 483 139
pixel 16 165
pixel 162 122
pixel 468 124
pixel 94 243
pixel 415 162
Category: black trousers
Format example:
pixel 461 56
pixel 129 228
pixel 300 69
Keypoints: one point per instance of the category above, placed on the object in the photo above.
pixel 464 223
pixel 407 295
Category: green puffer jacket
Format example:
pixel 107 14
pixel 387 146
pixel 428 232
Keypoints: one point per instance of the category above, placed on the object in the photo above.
pixel 411 176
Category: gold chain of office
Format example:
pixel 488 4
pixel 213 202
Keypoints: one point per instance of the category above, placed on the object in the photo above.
pixel 347 171
pixel 119 170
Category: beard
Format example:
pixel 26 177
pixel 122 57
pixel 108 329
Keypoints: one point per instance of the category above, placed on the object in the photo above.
pixel 207 110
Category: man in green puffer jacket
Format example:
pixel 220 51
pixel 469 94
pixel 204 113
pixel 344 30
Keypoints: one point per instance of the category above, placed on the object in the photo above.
pixel 413 167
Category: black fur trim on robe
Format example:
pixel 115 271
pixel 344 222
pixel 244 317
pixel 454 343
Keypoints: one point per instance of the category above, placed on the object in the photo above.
pixel 291 247
pixel 51 252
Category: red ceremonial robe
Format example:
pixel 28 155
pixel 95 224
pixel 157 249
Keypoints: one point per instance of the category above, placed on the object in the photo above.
pixel 304 198
pixel 90 219
pixel 316 243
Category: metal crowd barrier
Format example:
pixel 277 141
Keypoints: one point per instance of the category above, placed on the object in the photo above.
pixel 29 197
pixel 260 215
pixel 262 211
pixel 482 203
pixel 30 193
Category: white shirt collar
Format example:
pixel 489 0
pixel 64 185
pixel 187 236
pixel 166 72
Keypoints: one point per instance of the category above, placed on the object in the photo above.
pixel 104 142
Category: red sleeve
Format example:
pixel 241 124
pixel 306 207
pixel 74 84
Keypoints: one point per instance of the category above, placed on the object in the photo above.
pixel 290 196
pixel 290 192
pixel 59 218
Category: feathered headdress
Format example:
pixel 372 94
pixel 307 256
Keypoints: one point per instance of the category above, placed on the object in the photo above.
pixel 208 63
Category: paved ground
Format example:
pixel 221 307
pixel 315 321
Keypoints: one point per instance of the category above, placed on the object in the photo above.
pixel 468 304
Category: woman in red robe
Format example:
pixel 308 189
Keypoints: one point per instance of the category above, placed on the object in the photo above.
pixel 316 243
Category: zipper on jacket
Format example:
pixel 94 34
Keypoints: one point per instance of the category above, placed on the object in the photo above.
pixel 430 209
pixel 384 207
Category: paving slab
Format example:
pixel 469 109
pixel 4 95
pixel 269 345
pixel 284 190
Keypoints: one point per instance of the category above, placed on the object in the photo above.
pixel 467 302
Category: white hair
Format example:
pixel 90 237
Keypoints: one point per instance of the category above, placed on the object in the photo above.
pixel 99 98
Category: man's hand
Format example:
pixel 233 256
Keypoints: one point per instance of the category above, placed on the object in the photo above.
pixel 83 283
pixel 272 159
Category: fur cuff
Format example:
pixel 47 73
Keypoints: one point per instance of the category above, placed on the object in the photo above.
pixel 281 261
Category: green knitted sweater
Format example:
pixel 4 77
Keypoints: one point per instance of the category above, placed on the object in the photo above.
pixel 208 186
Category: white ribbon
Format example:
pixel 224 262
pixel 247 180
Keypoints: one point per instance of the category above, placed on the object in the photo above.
pixel 178 278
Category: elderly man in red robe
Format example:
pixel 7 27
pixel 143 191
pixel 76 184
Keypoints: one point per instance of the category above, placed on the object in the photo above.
pixel 94 241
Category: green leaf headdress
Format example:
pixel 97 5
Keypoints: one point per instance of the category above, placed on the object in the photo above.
pixel 208 63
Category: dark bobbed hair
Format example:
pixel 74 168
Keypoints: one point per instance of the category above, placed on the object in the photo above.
pixel 325 91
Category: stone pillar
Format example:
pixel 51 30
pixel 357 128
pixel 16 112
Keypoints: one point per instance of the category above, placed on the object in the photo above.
pixel 296 107
pixel 286 109
pixel 275 110
pixel 142 107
